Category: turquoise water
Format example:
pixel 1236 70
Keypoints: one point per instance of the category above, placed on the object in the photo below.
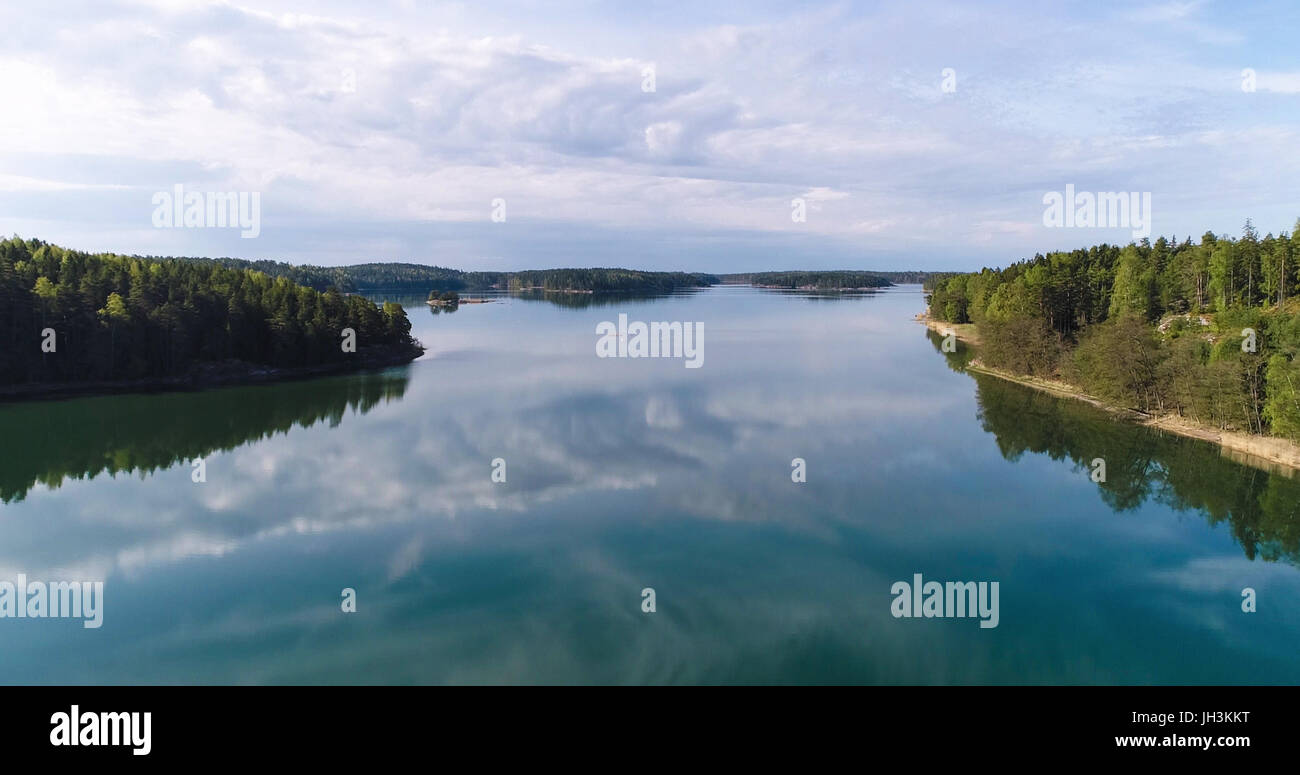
pixel 626 474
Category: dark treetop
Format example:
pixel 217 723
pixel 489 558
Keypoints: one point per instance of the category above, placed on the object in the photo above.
pixel 1209 331
pixel 124 318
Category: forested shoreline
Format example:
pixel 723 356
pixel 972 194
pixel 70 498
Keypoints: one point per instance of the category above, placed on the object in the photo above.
pixel 825 279
pixel 603 280
pixel 361 278
pixel 424 278
pixel 69 318
pixel 1208 331
pixel 820 281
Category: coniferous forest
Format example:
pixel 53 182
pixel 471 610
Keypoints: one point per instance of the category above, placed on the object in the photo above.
pixel 607 280
pixel 819 280
pixel 822 279
pixel 1207 330
pixel 356 278
pixel 420 277
pixel 73 317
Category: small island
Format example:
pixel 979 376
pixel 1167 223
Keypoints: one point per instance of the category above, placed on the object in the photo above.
pixel 451 299
pixel 838 280
pixel 605 280
pixel 443 299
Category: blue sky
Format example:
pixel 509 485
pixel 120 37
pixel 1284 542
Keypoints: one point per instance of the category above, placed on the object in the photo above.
pixel 384 131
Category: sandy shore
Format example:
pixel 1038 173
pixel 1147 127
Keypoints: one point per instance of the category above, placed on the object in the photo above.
pixel 1267 453
pixel 965 331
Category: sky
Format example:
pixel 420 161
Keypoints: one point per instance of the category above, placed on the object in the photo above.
pixel 654 135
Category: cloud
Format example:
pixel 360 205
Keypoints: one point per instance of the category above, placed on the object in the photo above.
pixel 386 132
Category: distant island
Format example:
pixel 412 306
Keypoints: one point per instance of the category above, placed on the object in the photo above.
pixel 443 299
pixel 819 281
pixel 607 281
pixel 825 280
pixel 1201 339
pixel 450 299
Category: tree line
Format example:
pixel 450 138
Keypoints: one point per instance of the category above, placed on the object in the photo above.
pixel 819 280
pixel 67 316
pixel 607 280
pixel 1208 330
pixel 907 277
pixel 359 278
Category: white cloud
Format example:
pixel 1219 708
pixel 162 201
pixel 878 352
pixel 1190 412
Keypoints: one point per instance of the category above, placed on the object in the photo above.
pixel 372 129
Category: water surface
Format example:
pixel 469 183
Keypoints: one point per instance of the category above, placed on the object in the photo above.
pixel 625 474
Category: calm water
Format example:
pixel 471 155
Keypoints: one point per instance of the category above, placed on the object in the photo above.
pixel 624 474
